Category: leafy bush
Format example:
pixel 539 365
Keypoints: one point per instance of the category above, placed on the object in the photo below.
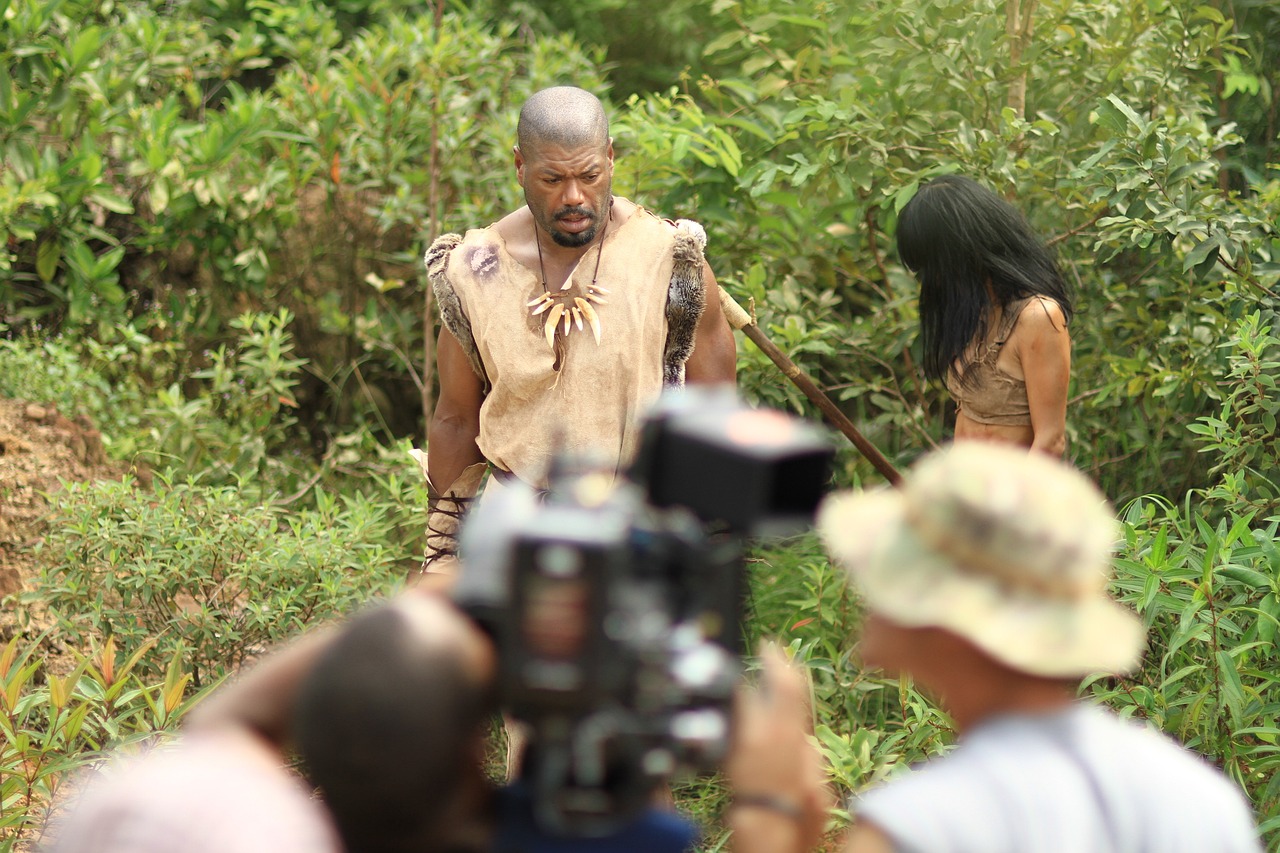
pixel 52 725
pixel 51 372
pixel 1208 594
pixel 1242 437
pixel 866 724
pixel 84 85
pixel 231 422
pixel 1105 129
pixel 207 571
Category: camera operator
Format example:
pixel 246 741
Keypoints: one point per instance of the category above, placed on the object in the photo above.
pixel 985 581
pixel 388 712
pixel 390 724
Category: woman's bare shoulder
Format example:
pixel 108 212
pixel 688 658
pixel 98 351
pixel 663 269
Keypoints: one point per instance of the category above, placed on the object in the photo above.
pixel 1041 315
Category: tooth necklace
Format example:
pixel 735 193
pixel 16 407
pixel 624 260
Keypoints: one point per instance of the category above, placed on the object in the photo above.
pixel 565 311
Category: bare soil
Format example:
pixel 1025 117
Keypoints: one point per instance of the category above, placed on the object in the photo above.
pixel 40 449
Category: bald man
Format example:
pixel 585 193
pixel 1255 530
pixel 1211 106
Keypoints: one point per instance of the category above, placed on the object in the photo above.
pixel 563 321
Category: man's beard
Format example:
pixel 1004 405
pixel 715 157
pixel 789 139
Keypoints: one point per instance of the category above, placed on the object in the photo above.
pixel 582 238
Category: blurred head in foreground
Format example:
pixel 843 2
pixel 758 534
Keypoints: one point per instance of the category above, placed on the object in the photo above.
pixel 984 545
pixel 222 793
pixel 391 724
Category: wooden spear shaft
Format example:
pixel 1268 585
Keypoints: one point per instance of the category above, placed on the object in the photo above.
pixel 740 319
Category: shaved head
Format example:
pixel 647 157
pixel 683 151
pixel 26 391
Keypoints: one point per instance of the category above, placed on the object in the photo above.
pixel 564 116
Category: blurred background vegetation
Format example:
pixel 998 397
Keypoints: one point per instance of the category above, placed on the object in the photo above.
pixel 212 214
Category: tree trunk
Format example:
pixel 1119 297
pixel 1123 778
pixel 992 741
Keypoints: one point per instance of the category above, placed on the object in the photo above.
pixel 433 231
pixel 1018 14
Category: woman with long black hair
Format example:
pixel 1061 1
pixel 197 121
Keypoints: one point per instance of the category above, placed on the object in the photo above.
pixel 994 309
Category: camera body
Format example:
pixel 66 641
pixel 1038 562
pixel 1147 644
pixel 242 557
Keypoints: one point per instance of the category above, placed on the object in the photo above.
pixel 616 605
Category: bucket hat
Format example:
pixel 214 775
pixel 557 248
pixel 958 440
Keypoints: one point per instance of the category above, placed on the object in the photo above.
pixel 1009 549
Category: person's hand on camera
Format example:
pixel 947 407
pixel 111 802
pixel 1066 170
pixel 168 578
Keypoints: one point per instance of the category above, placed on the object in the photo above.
pixel 781 798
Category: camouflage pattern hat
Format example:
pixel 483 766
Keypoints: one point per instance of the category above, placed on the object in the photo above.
pixel 1009 549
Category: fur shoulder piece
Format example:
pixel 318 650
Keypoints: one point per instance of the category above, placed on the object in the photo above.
pixel 686 297
pixel 451 313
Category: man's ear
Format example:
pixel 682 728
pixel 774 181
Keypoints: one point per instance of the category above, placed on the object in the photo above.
pixel 519 161
pixel 609 153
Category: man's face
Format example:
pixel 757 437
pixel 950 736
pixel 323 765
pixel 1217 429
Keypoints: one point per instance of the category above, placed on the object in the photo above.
pixel 568 190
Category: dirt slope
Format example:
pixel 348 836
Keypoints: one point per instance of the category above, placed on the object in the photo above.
pixel 40 448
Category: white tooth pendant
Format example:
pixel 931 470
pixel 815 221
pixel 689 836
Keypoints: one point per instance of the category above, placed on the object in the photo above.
pixel 549 329
pixel 564 310
pixel 542 303
pixel 590 314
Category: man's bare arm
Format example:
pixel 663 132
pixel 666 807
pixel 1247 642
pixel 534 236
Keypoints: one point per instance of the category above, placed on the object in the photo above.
pixel 715 353
pixel 262 698
pixel 451 439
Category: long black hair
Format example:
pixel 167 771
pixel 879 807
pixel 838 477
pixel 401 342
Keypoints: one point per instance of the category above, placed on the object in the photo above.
pixel 956 235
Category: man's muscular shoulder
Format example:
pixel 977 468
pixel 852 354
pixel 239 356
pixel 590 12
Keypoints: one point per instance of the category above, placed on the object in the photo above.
pixel 516 231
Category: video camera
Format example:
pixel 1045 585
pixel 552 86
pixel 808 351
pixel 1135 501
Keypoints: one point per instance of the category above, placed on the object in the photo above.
pixel 616 607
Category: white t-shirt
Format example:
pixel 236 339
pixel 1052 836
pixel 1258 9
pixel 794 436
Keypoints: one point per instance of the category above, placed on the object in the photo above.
pixel 1076 781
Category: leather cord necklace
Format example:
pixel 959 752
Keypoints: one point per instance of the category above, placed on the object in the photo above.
pixel 564 309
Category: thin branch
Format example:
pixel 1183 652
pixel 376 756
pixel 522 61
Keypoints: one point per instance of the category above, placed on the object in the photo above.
pixel 1066 235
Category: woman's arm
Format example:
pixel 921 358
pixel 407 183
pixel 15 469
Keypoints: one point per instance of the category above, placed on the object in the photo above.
pixel 1043 347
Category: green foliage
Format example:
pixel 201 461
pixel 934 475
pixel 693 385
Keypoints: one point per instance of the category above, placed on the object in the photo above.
pixel 238 418
pixel 837 114
pixel 83 87
pixel 1242 437
pixel 1250 78
pixel 52 373
pixel 216 210
pixel 1208 595
pixel 208 570
pixel 1157 362
pixel 646 45
pixel 149 164
pixel 54 724
pixel 865 723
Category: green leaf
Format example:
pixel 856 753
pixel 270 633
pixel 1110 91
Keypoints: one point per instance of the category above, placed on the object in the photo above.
pixel 85 47
pixel 904 195
pixel 1119 117
pixel 1233 694
pixel 1248 577
pixel 158 198
pixel 1208 13
pixel 1204 252
pixel 111 202
pixel 722 42
pixel 47 257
